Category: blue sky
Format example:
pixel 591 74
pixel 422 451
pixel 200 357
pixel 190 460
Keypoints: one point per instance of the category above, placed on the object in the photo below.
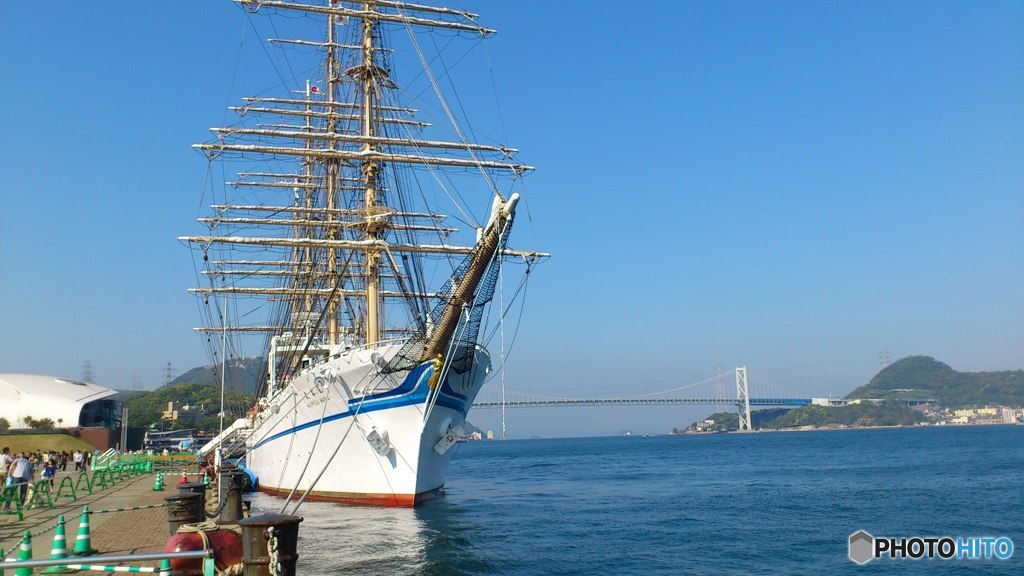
pixel 790 186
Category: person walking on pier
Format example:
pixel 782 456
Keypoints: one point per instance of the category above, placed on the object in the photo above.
pixel 49 471
pixel 20 472
pixel 5 463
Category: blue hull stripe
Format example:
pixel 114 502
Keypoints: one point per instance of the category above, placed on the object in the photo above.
pixel 446 389
pixel 408 385
pixel 459 407
pixel 346 414
pixel 415 392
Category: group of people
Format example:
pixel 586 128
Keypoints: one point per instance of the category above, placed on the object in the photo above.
pixel 20 469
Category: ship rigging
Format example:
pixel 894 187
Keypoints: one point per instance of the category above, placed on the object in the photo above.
pixel 351 224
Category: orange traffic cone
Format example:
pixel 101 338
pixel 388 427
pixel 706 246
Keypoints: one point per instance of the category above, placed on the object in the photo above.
pixel 184 477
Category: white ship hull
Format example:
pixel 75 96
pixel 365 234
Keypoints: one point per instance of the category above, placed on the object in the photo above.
pixel 344 432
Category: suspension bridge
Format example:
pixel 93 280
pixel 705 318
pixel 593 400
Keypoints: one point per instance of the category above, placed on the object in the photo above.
pixel 710 391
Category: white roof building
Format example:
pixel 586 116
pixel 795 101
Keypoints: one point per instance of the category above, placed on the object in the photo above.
pixel 62 400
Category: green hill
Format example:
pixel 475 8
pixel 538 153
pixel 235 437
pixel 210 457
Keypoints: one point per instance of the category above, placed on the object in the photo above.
pixel 242 375
pixel 854 415
pixel 145 408
pixel 925 377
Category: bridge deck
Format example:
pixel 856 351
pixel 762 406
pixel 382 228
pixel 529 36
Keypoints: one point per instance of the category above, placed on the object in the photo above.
pixel 792 402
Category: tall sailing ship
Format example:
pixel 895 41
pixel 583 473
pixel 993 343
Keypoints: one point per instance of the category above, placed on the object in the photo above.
pixel 337 224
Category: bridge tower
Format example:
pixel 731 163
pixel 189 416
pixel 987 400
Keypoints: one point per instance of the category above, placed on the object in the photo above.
pixel 743 399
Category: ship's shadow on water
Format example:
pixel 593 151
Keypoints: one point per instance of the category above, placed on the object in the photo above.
pixel 435 538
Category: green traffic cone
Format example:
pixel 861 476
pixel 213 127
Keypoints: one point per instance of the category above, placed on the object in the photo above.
pixel 59 551
pixel 165 567
pixel 206 480
pixel 83 542
pixel 25 553
pixel 158 484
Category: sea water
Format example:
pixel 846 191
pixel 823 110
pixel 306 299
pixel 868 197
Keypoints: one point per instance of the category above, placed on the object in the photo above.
pixel 761 503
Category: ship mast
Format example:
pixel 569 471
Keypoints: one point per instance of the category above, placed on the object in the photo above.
pixel 338 238
pixel 331 174
pixel 305 254
pixel 367 76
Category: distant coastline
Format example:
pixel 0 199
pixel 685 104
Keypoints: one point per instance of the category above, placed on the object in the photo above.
pixel 689 432
pixel 911 392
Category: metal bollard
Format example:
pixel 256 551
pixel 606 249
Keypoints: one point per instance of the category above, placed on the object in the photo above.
pixel 256 543
pixel 224 481
pixel 184 508
pixel 231 484
pixel 198 488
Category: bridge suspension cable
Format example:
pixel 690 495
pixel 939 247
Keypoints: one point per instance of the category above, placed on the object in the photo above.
pixel 756 391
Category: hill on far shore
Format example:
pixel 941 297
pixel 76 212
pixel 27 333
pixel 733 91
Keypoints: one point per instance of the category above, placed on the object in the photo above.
pixel 242 375
pixel 914 377
pixel 925 377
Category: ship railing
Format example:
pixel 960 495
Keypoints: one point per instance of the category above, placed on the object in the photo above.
pixel 377 344
pixel 348 348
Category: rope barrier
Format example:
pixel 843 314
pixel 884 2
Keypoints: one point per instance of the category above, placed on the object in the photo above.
pixel 101 568
pixel 33 535
pixel 128 509
pixel 42 490
pixel 144 557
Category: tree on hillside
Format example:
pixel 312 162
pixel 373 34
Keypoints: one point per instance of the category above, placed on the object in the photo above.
pixel 4 424
pixel 147 408
pixel 925 377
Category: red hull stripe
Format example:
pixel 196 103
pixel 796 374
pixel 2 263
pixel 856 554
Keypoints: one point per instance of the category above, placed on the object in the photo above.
pixel 359 498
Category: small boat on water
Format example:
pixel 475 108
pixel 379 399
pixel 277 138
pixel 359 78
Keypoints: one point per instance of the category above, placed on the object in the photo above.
pixel 333 244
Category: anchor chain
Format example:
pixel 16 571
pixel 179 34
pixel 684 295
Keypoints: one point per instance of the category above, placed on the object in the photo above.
pixel 221 504
pixel 272 552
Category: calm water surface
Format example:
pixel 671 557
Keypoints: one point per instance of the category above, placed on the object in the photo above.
pixel 768 503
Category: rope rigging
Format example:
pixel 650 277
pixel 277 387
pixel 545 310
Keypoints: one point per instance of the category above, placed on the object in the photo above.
pixel 337 236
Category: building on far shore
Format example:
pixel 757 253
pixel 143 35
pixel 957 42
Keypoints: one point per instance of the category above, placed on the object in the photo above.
pixel 185 413
pixel 84 409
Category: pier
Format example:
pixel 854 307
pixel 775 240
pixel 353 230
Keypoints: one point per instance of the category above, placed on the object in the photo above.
pixel 127 515
pixel 127 532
